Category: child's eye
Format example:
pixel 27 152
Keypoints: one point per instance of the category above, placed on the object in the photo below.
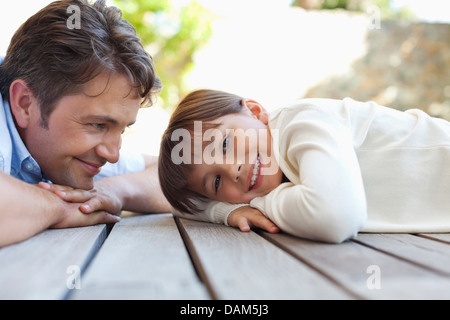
pixel 217 182
pixel 225 144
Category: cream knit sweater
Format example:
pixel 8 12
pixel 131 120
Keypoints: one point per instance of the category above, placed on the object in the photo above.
pixel 356 167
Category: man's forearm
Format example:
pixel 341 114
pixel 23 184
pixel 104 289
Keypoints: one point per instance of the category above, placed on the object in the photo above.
pixel 139 191
pixel 25 210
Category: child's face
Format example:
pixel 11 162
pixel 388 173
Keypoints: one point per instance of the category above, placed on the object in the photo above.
pixel 247 167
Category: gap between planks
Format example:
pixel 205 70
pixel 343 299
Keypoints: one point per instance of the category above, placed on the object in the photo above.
pixel 305 261
pixel 195 259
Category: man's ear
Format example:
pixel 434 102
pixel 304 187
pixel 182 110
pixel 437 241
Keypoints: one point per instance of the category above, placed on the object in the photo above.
pixel 22 101
pixel 257 110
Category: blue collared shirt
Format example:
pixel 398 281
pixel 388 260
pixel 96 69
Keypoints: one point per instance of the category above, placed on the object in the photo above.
pixel 15 159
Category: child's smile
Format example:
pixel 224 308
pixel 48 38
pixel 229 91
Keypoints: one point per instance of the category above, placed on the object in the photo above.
pixel 255 174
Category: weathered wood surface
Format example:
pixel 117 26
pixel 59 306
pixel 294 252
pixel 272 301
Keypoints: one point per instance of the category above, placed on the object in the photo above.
pixel 237 265
pixel 370 273
pixel 143 258
pixel 162 257
pixel 42 267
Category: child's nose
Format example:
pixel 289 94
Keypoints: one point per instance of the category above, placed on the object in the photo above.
pixel 235 171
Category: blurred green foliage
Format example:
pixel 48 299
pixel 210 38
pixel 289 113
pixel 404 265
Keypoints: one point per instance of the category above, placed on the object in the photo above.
pixel 386 7
pixel 171 31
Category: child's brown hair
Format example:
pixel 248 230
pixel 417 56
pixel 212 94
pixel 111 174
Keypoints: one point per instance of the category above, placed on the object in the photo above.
pixel 201 105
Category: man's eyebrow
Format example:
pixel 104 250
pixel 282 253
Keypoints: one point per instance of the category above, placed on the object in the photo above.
pixel 104 118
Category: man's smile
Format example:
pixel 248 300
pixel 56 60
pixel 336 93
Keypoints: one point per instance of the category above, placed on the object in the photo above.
pixel 92 167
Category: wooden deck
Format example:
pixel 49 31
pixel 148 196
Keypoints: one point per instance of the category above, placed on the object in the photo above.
pixel 165 258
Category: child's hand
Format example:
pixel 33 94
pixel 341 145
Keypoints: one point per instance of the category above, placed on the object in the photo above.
pixel 247 217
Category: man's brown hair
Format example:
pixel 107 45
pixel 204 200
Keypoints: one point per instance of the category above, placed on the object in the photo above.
pixel 56 60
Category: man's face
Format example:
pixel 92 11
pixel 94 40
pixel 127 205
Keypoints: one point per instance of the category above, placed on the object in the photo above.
pixel 84 131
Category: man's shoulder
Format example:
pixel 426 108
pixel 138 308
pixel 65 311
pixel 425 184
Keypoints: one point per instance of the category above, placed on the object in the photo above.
pixel 129 162
pixel 5 139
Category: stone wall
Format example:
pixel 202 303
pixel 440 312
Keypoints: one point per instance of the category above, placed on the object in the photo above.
pixel 406 65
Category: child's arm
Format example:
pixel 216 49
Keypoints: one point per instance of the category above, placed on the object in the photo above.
pixel 247 217
pixel 241 216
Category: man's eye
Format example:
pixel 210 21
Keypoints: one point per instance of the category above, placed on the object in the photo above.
pixel 99 126
pixel 217 182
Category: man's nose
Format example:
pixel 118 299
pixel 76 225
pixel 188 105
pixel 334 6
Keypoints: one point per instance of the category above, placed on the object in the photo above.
pixel 109 148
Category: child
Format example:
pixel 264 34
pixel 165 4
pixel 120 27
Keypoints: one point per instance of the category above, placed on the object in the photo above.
pixel 320 169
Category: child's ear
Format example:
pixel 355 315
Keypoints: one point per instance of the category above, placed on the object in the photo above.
pixel 256 109
pixel 21 101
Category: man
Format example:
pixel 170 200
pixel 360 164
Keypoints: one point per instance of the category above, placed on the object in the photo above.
pixel 67 95
pixel 68 91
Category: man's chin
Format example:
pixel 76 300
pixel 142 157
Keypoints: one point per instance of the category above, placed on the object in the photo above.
pixel 86 184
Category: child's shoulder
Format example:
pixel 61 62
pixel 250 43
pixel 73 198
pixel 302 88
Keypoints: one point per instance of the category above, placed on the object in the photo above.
pixel 314 104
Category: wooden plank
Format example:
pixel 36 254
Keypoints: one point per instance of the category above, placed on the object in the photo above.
pixel 241 265
pixel 366 272
pixel 144 257
pixel 444 237
pixel 47 265
pixel 434 255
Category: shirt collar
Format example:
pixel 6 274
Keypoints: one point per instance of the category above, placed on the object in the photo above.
pixel 23 166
